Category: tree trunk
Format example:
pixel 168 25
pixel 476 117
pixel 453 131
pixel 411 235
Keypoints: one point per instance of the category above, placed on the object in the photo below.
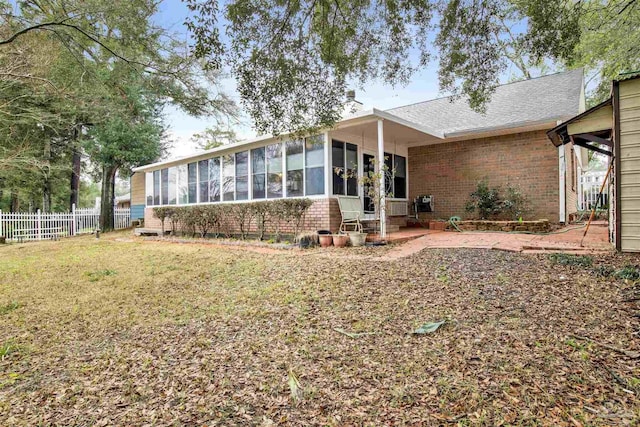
pixel 76 164
pixel 107 198
pixel 15 201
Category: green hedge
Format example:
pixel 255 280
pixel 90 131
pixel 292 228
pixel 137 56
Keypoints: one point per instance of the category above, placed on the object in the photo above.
pixel 225 218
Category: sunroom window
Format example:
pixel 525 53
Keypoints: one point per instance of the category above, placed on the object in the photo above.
pixel 258 171
pixel 164 186
pixel 295 168
pixel 228 170
pixel 274 171
pixel 214 179
pixel 242 175
pixel 203 169
pixel 192 169
pixel 148 188
pixel 183 188
pixel 156 187
pixel 314 165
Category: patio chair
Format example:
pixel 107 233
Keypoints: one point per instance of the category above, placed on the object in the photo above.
pixel 352 212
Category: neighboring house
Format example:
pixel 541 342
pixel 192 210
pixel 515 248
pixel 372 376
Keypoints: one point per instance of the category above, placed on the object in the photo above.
pixel 612 128
pixel 439 147
pixel 589 188
pixel 123 202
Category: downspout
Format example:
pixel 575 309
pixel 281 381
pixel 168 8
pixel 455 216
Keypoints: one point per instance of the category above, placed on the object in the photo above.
pixel 562 177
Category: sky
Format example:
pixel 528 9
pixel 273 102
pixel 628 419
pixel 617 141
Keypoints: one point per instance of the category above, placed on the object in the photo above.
pixel 422 87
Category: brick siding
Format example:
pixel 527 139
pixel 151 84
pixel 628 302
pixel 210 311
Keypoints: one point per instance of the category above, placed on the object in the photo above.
pixel 450 172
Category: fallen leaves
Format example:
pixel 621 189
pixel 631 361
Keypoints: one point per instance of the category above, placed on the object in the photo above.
pixel 201 335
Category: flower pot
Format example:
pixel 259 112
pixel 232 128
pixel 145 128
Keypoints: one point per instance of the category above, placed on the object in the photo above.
pixel 357 239
pixel 325 240
pixel 340 240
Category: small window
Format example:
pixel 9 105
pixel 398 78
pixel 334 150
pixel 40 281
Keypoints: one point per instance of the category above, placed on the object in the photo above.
pixel 274 171
pixel 258 171
pixel 242 175
pixel 295 167
pixel 345 168
pixel 352 169
pixel 314 164
pixel 192 171
pixel 388 173
pixel 228 169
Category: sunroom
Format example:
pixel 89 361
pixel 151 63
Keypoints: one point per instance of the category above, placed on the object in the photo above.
pixel 319 167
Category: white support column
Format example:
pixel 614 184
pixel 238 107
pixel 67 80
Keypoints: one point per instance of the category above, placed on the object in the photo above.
pixel 562 172
pixel 383 190
pixel 328 173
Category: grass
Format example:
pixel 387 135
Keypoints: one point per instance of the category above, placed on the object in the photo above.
pixel 130 332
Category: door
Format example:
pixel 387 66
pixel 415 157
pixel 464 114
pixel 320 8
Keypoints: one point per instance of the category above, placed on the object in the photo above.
pixel 368 166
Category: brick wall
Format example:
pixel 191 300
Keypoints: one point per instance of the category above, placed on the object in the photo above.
pixel 324 214
pixel 450 171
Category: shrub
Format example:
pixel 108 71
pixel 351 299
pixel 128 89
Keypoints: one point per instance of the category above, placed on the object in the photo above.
pixel 261 212
pixel 571 260
pixel 490 204
pixel 485 201
pixel 242 213
pixel 162 214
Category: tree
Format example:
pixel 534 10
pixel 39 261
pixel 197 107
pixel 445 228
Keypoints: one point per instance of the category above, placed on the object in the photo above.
pixel 294 59
pixel 93 68
pixel 213 137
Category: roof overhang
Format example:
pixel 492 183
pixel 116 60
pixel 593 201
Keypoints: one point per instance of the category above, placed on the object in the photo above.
pixel 597 121
pixel 357 119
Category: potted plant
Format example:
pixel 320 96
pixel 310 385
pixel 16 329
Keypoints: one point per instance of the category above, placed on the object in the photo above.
pixel 325 237
pixel 340 240
pixel 307 240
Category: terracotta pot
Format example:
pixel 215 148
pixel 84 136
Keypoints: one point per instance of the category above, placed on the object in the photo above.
pixel 325 240
pixel 340 240
pixel 437 225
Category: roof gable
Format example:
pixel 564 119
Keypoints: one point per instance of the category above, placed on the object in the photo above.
pixel 549 98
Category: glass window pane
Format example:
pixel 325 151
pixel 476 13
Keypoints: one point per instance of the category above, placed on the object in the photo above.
pixel 258 186
pixel 257 160
pixel 173 190
pixel 315 181
pixel 295 163
pixel 156 187
pixel 214 179
pixel 294 183
pixel 388 173
pixel 164 186
pixel 314 151
pixel 183 185
pixel 352 169
pixel 294 155
pixel 203 169
pixel 148 188
pixel 193 185
pixel 228 169
pixel 242 163
pixel 337 170
pixel 400 178
pixel 274 169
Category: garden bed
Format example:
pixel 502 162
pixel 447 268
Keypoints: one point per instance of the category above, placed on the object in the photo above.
pixel 539 226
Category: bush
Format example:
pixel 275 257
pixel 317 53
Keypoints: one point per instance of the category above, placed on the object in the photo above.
pixel 224 218
pixel 571 260
pixel 489 204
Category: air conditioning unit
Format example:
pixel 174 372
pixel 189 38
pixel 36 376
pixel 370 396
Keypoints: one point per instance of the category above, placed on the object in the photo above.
pixel 423 203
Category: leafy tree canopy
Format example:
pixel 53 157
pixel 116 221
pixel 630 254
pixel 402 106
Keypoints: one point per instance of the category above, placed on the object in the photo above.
pixel 293 59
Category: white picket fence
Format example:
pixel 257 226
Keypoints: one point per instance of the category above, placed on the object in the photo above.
pixel 20 226
pixel 589 198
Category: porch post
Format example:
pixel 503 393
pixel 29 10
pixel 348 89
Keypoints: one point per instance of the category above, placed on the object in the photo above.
pixel 383 190
pixel 328 172
pixel 562 186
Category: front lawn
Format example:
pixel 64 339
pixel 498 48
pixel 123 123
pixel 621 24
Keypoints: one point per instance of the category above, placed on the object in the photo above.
pixel 122 331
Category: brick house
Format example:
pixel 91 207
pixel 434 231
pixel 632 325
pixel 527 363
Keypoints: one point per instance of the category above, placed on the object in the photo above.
pixel 440 148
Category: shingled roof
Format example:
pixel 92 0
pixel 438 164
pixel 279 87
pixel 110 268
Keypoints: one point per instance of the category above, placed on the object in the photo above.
pixel 548 98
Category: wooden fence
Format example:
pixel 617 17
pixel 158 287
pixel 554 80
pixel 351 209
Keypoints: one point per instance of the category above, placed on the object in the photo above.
pixel 20 226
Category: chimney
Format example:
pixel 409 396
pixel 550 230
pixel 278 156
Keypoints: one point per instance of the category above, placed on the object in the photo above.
pixel 351 105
